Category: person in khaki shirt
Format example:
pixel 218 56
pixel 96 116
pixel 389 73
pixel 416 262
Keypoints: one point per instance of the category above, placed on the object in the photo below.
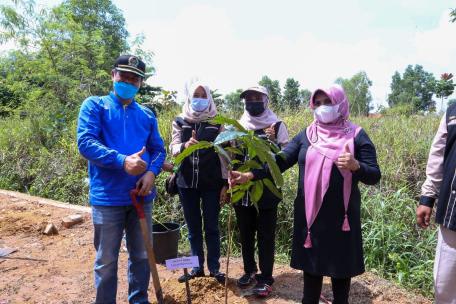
pixel 440 185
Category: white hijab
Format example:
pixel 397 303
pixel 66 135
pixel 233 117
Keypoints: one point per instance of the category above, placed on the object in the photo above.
pixel 193 116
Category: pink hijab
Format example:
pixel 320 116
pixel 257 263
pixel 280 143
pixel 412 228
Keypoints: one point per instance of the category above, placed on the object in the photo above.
pixel 327 142
pixel 193 116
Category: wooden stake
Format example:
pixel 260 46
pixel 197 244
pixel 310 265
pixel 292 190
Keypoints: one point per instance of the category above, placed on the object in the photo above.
pixel 228 253
pixel 187 287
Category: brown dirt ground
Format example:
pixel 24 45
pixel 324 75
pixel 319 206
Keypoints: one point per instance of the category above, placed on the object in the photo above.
pixel 58 269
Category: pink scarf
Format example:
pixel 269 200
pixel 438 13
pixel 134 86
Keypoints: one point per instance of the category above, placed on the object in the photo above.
pixel 327 142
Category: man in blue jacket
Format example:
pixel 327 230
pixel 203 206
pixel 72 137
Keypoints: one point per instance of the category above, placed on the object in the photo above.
pixel 121 141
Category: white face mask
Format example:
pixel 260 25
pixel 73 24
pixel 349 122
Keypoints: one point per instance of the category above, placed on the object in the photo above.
pixel 326 113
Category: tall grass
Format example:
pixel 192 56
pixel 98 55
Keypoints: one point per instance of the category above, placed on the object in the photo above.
pixel 43 160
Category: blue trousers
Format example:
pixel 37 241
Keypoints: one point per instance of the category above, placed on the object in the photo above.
pixel 109 225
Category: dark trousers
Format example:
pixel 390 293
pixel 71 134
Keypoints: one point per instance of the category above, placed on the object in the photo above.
pixel 262 224
pixel 193 202
pixel 312 289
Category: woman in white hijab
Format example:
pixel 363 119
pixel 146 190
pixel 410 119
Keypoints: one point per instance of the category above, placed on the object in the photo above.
pixel 201 180
pixel 262 221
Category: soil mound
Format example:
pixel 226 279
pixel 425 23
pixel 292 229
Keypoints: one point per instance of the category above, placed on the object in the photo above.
pixel 21 221
pixel 203 291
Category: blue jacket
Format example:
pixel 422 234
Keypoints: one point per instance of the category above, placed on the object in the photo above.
pixel 107 133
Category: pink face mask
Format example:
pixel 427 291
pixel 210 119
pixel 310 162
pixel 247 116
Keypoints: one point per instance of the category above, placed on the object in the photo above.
pixel 327 113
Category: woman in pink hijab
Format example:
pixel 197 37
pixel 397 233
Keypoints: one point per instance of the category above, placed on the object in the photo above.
pixel 333 155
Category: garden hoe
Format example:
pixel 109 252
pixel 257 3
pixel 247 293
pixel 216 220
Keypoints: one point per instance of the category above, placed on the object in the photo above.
pixel 147 243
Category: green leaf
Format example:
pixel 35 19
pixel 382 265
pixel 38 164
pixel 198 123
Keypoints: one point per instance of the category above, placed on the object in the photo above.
pixel 227 136
pixel 265 156
pixel 253 164
pixel 256 207
pixel 274 148
pixel 223 153
pixel 251 151
pixel 235 161
pixel 256 191
pixel 282 155
pixel 243 187
pixel 249 165
pixel 188 151
pixel 237 196
pixel 270 185
pixel 234 150
pixel 222 120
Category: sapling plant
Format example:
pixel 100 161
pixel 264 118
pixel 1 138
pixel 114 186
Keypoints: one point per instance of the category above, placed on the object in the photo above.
pixel 256 152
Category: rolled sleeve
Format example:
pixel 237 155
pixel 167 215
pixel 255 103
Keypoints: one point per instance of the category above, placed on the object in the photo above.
pixel 434 168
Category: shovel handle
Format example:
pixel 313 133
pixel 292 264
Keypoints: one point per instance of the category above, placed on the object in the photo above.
pixel 139 206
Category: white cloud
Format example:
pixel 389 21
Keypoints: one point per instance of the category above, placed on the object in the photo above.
pixel 437 47
pixel 209 49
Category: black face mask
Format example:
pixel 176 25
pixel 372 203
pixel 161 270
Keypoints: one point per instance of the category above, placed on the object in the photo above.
pixel 254 108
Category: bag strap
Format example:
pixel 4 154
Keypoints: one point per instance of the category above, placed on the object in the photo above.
pixel 180 121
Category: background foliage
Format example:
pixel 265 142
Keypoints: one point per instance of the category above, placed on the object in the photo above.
pixel 64 54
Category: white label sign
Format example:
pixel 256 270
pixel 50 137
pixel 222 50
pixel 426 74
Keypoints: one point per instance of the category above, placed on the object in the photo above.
pixel 184 262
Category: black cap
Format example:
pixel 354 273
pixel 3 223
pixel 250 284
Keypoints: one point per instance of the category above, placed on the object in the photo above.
pixel 130 63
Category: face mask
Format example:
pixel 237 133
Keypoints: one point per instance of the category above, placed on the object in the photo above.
pixel 199 104
pixel 125 90
pixel 254 108
pixel 326 113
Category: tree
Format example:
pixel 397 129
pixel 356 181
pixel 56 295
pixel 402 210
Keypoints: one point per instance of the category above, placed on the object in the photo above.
pixel 156 98
pixel 233 103
pixel 136 48
pixel 305 95
pixel 65 52
pixel 217 97
pixel 102 15
pixel 275 95
pixel 357 90
pixel 291 98
pixel 9 99
pixel 415 86
pixel 63 55
pixel 444 87
pixel 453 15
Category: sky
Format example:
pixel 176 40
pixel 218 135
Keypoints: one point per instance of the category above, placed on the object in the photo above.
pixel 232 44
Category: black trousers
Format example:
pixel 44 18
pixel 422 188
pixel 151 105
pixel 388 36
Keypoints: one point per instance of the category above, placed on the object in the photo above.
pixel 262 224
pixel 312 289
